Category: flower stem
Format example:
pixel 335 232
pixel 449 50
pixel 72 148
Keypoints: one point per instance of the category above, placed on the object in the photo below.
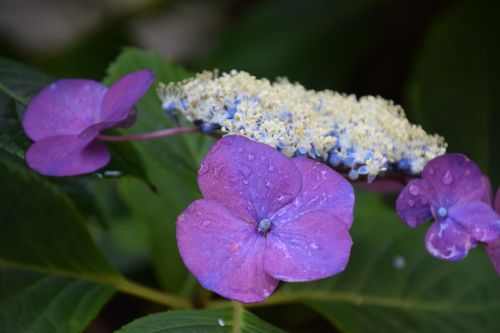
pixel 151 135
pixel 138 290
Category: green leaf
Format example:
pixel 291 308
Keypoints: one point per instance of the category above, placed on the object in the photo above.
pixel 454 88
pixel 329 39
pixel 206 321
pixel 52 276
pixel 172 164
pixel 393 285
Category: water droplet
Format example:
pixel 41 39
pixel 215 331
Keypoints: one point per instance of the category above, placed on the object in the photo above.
pixel 414 189
pixel 271 168
pixel 221 322
pixel 447 178
pixel 245 181
pixel 233 179
pixel 203 169
pixel 431 170
pixel 206 223
pixel 244 169
pixel 251 157
pixel 411 202
pixel 314 246
pixel 398 262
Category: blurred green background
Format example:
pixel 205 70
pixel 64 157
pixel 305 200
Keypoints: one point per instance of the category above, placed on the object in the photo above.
pixel 439 59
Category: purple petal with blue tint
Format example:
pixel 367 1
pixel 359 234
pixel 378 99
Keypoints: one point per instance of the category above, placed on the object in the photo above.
pixel 66 155
pixel 223 252
pixel 455 178
pixel 414 203
pixel 119 101
pixel 446 240
pixel 63 108
pixel 314 246
pixel 251 179
pixel 479 219
pixel 323 189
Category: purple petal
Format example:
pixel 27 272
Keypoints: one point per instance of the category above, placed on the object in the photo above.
pixel 479 219
pixel 119 101
pixel 497 201
pixel 251 179
pixel 66 155
pixel 446 240
pixel 455 178
pixel 63 108
pixel 493 251
pixel 313 246
pixel 223 252
pixel 323 189
pixel 413 203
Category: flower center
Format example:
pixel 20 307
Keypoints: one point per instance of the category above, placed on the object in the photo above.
pixel 264 226
pixel 442 212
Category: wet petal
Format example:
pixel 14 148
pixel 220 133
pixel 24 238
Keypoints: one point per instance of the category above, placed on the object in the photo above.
pixel 479 219
pixel 314 246
pixel 66 155
pixel 455 178
pixel 63 108
pixel 323 189
pixel 493 251
pixel 251 179
pixel 224 253
pixel 413 203
pixel 119 101
pixel 446 240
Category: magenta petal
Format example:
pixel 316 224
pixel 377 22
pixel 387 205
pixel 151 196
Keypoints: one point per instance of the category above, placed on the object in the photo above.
pixel 413 203
pixel 323 189
pixel 66 155
pixel 224 253
pixel 63 108
pixel 314 246
pixel 251 179
pixel 479 219
pixel 455 178
pixel 493 251
pixel 445 240
pixel 119 101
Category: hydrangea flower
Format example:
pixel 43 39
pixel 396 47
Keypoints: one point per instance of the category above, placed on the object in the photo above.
pixel 264 217
pixel 66 117
pixel 493 248
pixel 452 191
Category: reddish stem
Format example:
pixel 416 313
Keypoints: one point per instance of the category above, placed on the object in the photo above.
pixel 146 136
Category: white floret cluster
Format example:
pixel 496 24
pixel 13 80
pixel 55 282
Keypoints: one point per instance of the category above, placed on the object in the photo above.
pixel 366 136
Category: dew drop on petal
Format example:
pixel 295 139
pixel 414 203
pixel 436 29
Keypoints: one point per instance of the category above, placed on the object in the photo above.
pixel 251 157
pixel 203 169
pixel 411 202
pixel 245 181
pixel 414 190
pixel 244 169
pixel 271 168
pixel 447 178
pixel 431 170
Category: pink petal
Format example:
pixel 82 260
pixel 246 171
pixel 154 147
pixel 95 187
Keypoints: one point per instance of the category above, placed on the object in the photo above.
pixel 66 155
pixel 497 201
pixel 446 240
pixel 313 246
pixel 223 252
pixel 455 178
pixel 323 189
pixel 121 97
pixel 493 251
pixel 63 108
pixel 479 219
pixel 413 203
pixel 251 179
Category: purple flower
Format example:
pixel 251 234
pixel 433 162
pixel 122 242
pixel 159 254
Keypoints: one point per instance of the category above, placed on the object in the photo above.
pixel 453 191
pixel 264 217
pixel 65 119
pixel 493 248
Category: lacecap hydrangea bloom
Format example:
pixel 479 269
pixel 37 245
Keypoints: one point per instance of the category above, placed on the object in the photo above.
pixel 363 137
pixel 264 217
pixel 454 192
pixel 64 121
